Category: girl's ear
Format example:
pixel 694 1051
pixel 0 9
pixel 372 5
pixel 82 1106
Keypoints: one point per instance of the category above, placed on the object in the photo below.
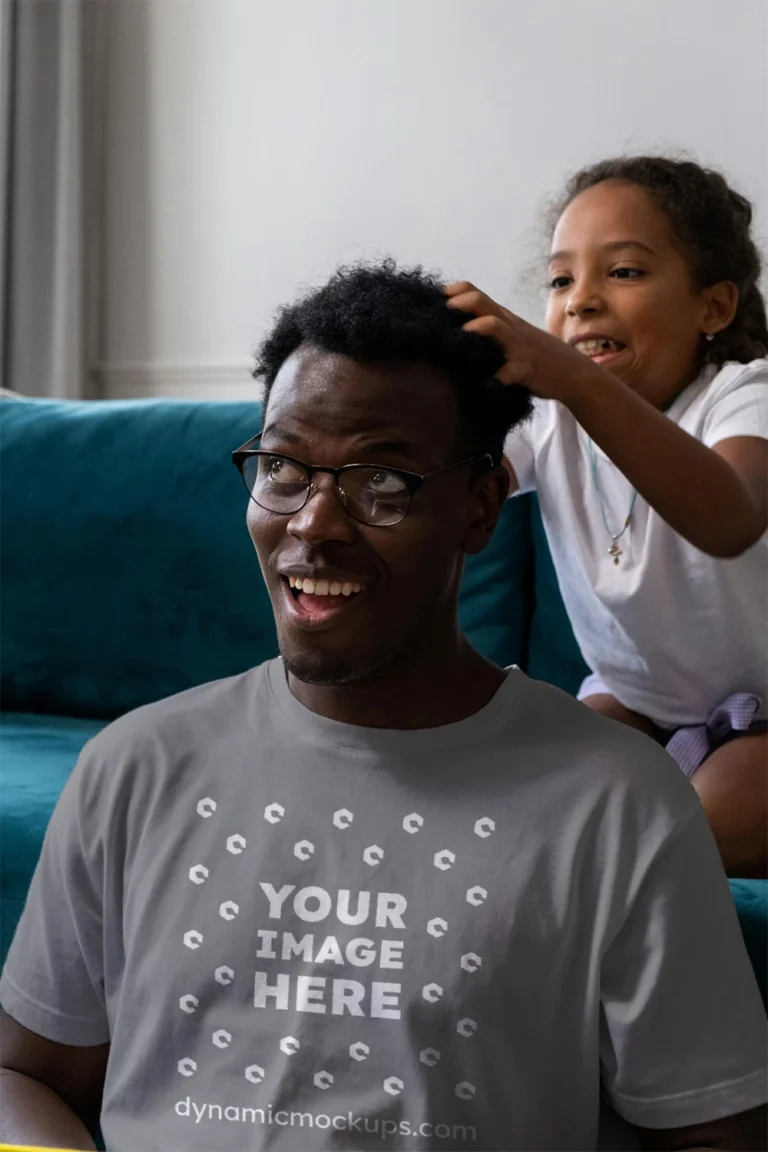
pixel 721 302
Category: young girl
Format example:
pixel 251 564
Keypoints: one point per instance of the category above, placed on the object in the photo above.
pixel 648 451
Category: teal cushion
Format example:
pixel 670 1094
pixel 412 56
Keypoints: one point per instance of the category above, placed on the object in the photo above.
pixel 127 570
pixel 37 754
pixel 751 899
pixel 553 654
pixel 495 602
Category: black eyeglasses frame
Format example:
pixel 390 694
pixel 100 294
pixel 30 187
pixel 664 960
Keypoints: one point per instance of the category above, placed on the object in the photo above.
pixel 413 480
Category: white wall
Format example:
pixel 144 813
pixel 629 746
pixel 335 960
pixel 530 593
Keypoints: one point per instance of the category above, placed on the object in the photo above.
pixel 253 145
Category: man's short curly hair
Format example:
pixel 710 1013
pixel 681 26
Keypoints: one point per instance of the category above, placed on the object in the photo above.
pixel 380 312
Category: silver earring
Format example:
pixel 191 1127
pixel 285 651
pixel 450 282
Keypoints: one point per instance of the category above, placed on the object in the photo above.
pixel 709 337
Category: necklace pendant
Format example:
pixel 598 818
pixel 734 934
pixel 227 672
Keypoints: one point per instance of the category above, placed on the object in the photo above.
pixel 615 552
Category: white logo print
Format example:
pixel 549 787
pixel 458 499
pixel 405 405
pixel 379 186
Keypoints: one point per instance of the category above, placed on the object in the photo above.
pixel 292 945
pixel 477 896
pixel 199 874
pixel 444 859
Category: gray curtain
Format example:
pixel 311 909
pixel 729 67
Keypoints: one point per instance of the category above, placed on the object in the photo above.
pixel 51 71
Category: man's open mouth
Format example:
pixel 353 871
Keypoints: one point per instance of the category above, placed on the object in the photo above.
pixel 324 587
pixel 318 602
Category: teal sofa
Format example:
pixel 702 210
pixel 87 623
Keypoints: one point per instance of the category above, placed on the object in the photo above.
pixel 127 575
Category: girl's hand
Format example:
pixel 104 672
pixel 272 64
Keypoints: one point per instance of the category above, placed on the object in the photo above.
pixel 544 364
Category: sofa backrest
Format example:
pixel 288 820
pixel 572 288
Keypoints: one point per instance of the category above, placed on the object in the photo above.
pixel 127 571
pixel 553 654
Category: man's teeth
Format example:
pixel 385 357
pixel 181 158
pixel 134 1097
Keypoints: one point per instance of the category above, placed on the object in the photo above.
pixel 594 347
pixel 324 587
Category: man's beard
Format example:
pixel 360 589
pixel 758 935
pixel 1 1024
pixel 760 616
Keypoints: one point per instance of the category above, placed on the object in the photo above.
pixel 325 672
pixel 329 671
pixel 334 670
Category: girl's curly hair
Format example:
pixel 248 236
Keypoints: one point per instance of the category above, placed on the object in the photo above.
pixel 712 224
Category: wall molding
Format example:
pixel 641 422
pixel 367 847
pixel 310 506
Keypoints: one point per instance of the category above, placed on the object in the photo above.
pixel 175 381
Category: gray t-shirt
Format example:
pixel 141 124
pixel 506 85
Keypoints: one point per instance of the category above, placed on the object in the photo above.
pixel 301 934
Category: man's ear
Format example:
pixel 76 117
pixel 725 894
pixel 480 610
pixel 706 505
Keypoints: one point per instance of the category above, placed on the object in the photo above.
pixel 487 498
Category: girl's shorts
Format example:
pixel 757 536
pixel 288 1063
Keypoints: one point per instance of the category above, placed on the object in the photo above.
pixel 691 746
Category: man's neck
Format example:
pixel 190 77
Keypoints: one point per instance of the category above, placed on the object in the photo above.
pixel 439 688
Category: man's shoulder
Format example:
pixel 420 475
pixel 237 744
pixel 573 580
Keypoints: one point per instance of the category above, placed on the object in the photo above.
pixel 172 729
pixel 602 756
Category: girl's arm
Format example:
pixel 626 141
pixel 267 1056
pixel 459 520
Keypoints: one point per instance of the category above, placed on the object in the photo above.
pixel 716 498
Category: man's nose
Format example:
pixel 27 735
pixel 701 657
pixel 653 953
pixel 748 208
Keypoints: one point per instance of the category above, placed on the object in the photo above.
pixel 323 517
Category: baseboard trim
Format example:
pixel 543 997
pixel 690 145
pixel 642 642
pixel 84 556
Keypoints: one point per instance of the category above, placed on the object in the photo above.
pixel 175 382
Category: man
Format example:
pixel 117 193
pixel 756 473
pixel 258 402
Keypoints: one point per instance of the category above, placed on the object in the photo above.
pixel 379 893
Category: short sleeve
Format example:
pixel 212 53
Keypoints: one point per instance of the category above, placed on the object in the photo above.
pixel 53 980
pixel 519 449
pixel 682 1022
pixel 742 410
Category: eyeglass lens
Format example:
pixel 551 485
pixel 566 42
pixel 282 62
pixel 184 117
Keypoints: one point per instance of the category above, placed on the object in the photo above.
pixel 371 495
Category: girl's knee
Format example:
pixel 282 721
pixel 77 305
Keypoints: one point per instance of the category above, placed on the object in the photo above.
pixel 608 706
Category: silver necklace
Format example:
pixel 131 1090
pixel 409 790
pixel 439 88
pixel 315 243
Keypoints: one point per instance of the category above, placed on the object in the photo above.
pixel 615 552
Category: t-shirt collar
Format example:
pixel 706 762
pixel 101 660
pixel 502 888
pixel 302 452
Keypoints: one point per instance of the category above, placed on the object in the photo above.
pixel 319 729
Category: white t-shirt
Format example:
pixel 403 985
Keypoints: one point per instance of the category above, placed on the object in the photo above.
pixel 670 630
pixel 301 934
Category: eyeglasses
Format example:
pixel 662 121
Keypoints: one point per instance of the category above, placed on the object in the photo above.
pixel 369 494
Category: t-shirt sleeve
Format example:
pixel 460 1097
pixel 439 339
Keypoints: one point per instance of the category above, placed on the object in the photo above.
pixel 742 410
pixel 682 1022
pixel 519 449
pixel 53 980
